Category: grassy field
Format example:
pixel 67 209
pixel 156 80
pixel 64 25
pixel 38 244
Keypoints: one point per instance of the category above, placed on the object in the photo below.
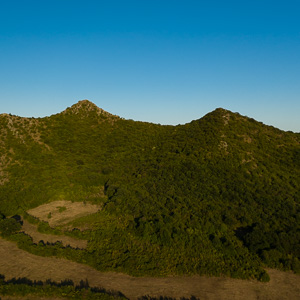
pixel 62 212
pixel 18 263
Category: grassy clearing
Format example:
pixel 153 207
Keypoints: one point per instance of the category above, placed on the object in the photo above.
pixel 37 236
pixel 83 223
pixel 61 212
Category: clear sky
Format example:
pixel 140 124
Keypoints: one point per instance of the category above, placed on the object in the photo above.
pixel 161 61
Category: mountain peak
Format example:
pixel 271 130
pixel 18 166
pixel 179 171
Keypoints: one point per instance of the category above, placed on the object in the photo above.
pixel 85 107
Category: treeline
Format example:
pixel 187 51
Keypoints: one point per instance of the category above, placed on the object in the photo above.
pixel 64 289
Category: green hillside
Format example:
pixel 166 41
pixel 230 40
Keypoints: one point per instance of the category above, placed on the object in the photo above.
pixel 217 196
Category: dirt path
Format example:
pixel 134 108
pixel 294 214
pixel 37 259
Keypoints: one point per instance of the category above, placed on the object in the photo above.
pixel 18 263
pixel 31 230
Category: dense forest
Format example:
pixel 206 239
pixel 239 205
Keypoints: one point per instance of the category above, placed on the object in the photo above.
pixel 217 196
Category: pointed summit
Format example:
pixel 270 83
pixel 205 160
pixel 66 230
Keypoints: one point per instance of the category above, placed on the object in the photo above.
pixel 85 103
pixel 85 107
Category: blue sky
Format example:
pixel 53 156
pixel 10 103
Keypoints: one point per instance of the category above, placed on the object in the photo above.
pixel 165 62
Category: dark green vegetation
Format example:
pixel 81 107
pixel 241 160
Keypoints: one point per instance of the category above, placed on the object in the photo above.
pixel 64 289
pixel 219 195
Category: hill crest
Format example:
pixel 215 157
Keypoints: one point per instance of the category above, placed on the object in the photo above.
pixel 85 107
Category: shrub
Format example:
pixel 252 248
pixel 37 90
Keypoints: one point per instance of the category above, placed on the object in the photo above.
pixel 9 226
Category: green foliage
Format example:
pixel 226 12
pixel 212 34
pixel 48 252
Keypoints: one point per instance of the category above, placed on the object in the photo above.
pixel 219 195
pixel 61 208
pixel 21 287
pixel 9 226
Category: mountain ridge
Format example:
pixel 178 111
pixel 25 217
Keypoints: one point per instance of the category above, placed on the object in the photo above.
pixel 85 107
pixel 217 196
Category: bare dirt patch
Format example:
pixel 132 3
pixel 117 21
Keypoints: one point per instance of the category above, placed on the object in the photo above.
pixel 18 263
pixel 31 230
pixel 61 212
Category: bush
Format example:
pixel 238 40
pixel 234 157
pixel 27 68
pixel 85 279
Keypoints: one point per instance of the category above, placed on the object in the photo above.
pixel 9 226
pixel 264 277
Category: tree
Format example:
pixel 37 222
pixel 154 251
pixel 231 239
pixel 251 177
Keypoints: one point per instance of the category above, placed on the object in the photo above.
pixel 9 226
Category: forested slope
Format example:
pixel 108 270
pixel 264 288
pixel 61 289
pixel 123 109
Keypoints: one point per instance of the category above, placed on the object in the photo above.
pixel 219 195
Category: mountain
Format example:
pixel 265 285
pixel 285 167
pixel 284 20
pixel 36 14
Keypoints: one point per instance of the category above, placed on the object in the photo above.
pixel 217 196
